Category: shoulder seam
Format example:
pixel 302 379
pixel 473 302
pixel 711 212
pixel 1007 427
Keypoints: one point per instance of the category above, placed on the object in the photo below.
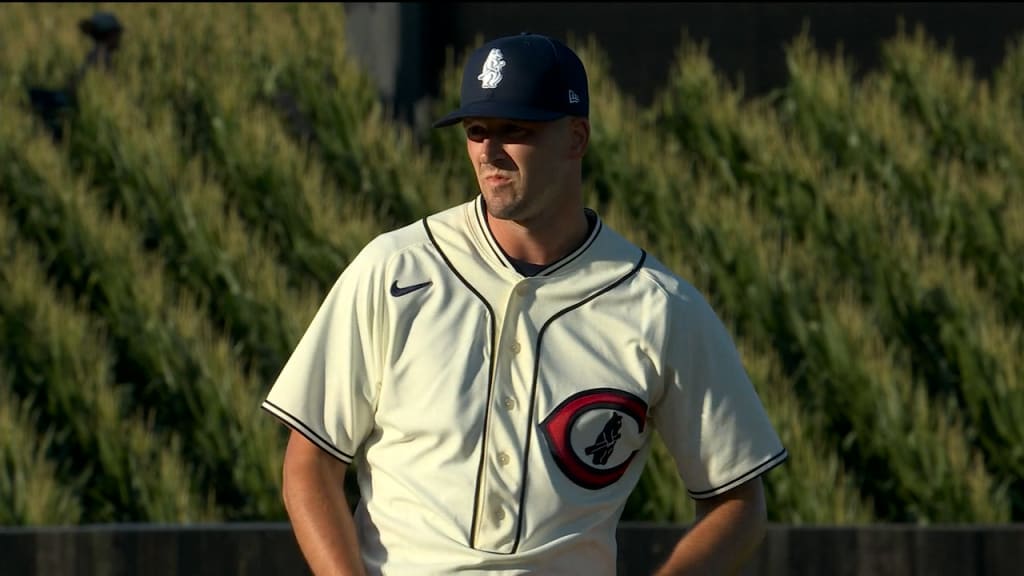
pixel 392 254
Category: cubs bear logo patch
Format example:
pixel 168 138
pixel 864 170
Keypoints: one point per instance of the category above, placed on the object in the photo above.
pixel 490 75
pixel 593 435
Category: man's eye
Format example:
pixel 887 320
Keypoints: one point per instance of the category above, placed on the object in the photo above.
pixel 509 133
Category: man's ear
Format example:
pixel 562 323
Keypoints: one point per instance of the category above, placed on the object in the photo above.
pixel 579 137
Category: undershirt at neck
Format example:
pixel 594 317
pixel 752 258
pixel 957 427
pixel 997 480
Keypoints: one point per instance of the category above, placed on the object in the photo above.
pixel 530 269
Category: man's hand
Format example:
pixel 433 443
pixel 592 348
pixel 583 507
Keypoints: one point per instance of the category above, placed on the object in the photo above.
pixel 727 530
pixel 314 495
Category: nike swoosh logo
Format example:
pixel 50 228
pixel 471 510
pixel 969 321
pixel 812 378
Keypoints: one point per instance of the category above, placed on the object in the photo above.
pixel 397 291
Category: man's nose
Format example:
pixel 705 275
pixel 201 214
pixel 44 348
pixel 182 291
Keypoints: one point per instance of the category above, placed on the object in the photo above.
pixel 492 149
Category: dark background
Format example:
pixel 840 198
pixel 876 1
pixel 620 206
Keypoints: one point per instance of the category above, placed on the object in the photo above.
pixel 404 45
pixel 271 550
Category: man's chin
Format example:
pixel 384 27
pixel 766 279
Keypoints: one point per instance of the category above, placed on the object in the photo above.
pixel 501 215
pixel 508 214
pixel 500 209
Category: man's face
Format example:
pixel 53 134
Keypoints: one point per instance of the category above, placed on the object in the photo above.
pixel 523 167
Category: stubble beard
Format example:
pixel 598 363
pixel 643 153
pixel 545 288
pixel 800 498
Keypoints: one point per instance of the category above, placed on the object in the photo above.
pixel 504 202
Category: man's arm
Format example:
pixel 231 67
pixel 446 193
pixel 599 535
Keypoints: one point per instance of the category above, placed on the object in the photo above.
pixel 314 496
pixel 728 528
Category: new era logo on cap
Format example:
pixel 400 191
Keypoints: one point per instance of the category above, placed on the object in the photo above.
pixel 523 77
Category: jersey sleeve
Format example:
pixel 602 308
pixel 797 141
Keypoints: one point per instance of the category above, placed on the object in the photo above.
pixel 710 416
pixel 327 389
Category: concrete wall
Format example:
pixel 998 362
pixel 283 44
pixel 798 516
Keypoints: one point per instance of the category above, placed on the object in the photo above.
pixel 271 550
pixel 404 44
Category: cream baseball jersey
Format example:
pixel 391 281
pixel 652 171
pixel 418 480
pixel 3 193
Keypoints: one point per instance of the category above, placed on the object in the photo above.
pixel 499 422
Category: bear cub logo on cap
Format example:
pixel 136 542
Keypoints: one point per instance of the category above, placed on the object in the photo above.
pixel 490 76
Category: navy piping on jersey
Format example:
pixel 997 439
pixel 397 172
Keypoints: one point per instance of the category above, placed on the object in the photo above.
pixel 536 373
pixel 490 376
pixel 481 220
pixel 299 426
pixel 757 471
pixel 594 228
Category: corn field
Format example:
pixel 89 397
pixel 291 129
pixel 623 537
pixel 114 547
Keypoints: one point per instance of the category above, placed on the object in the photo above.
pixel 862 235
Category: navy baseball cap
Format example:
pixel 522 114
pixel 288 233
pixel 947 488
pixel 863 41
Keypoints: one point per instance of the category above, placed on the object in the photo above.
pixel 524 77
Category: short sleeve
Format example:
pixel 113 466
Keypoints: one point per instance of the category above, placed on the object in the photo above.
pixel 328 387
pixel 710 416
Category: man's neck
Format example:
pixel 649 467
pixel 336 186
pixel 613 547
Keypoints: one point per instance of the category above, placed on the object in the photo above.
pixel 540 243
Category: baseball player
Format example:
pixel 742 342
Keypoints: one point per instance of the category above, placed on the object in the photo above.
pixel 497 370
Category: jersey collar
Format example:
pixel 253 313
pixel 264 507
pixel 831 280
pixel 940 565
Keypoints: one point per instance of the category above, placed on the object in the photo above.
pixel 495 254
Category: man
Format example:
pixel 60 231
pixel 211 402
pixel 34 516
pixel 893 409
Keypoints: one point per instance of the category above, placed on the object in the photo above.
pixel 56 106
pixel 497 369
pixel 105 30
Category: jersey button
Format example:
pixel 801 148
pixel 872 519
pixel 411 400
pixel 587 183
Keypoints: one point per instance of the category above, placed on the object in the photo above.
pixel 509 403
pixel 516 348
pixel 503 459
pixel 499 514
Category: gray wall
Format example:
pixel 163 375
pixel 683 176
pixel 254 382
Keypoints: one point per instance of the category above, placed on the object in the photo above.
pixel 270 549
pixel 404 44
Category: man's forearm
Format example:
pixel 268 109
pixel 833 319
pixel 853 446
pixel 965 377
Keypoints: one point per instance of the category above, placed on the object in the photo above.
pixel 725 535
pixel 321 518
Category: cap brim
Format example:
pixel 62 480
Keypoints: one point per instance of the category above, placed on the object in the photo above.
pixel 489 109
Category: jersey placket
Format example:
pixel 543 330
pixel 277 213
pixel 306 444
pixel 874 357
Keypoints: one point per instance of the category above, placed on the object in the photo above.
pixel 504 458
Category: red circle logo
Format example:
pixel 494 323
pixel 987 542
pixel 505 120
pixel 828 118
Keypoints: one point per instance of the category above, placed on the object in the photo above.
pixel 593 435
